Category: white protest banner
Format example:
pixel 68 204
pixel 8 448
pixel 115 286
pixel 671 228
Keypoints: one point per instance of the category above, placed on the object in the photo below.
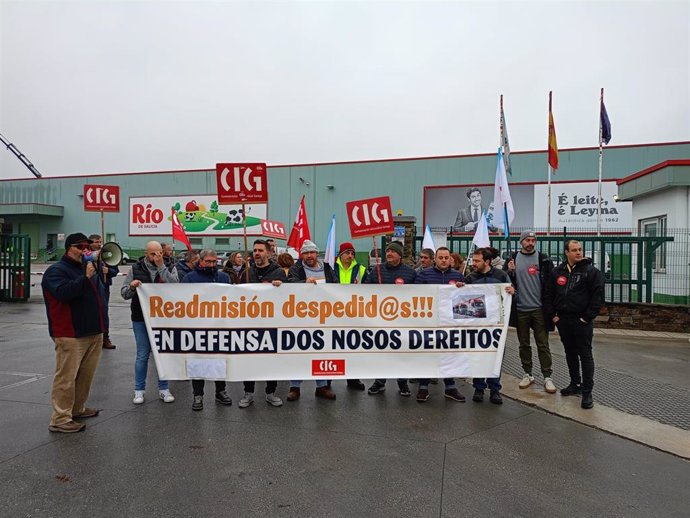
pixel 305 331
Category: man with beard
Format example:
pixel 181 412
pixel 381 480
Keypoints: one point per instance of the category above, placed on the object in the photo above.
pixel 105 274
pixel 206 271
pixel 393 271
pixel 262 270
pixel 574 298
pixel 530 272
pixel 485 273
pixel 309 269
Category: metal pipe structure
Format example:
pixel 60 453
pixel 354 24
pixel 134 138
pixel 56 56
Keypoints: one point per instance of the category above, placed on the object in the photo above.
pixel 22 158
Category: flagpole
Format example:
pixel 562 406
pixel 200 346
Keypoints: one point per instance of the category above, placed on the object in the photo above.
pixel 244 234
pixel 601 160
pixel 548 205
pixel 378 263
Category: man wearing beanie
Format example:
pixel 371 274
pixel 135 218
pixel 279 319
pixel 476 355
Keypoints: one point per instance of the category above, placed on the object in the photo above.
pixel 349 271
pixel 393 271
pixel 74 300
pixel 309 269
pixel 530 272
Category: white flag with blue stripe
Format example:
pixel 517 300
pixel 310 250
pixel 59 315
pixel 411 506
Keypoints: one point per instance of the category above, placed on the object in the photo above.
pixel 504 212
pixel 330 244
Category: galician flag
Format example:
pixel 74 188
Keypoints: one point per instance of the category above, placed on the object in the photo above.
pixel 505 144
pixel 481 235
pixel 330 244
pixel 504 212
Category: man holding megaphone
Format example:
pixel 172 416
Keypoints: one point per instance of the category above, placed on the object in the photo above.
pixel 106 266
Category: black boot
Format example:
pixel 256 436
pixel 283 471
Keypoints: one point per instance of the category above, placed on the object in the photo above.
pixel 587 400
pixel 355 385
pixel 571 390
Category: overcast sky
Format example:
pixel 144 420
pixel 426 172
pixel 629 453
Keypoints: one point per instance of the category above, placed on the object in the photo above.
pixel 118 86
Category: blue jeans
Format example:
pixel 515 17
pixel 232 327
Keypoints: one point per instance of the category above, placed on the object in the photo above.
pixel 494 384
pixel 319 383
pixel 141 364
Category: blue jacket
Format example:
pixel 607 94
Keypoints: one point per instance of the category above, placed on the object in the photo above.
pixel 433 275
pixel 182 269
pixel 201 275
pixel 74 303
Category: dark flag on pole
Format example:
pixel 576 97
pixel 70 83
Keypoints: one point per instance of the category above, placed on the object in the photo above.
pixel 605 124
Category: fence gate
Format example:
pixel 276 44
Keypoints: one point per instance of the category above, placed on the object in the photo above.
pixel 15 267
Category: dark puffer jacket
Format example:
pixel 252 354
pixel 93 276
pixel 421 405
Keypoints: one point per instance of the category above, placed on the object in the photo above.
pixel 74 303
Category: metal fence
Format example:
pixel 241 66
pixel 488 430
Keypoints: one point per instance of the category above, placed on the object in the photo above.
pixel 15 262
pixel 637 267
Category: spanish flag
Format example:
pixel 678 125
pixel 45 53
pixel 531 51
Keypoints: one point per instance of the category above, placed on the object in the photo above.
pixel 553 146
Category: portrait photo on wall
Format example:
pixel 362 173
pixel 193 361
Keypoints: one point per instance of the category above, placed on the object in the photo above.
pixel 573 205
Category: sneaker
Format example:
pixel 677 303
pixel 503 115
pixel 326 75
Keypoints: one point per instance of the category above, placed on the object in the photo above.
pixel 455 395
pixel 422 395
pixel 247 400
pixel 166 396
pixel 404 390
pixel 478 396
pixel 549 386
pixel 273 400
pixel 223 398
pixel 325 393
pixel 138 397
pixel 495 397
pixel 376 388
pixel 587 401
pixel 355 385
pixel 571 390
pixel 526 381
pixel 198 403
pixel 293 394
pixel 68 427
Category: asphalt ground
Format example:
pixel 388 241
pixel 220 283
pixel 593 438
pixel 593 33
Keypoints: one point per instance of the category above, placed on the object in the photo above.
pixel 360 455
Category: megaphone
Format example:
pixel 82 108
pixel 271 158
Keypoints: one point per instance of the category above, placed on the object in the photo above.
pixel 111 254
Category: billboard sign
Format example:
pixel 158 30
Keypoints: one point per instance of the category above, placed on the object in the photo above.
pixel 200 215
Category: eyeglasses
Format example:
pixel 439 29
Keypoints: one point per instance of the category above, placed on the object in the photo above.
pixel 81 246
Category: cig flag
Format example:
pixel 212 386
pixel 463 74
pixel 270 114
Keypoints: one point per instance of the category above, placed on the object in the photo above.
pixel 504 212
pixel 330 244
pixel 300 229
pixel 178 233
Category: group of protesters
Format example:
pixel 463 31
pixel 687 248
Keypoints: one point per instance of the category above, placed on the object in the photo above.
pixel 568 297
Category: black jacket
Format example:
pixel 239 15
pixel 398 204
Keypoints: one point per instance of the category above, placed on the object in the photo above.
pixel 273 272
pixel 545 272
pixel 297 273
pixel 579 292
